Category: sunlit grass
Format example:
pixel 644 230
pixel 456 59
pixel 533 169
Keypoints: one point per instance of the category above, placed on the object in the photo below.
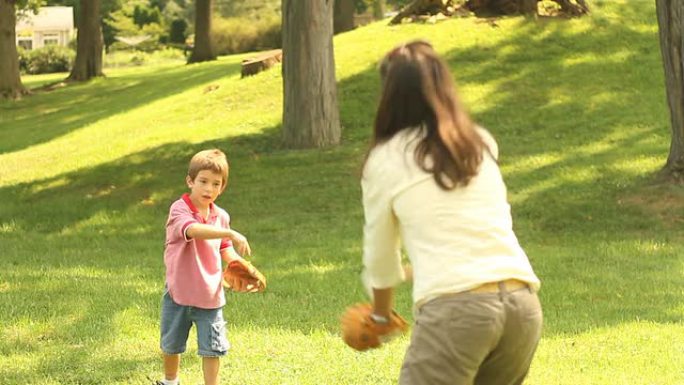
pixel 87 173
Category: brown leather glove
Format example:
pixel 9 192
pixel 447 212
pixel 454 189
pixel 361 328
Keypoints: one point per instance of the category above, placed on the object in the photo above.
pixel 241 276
pixel 361 332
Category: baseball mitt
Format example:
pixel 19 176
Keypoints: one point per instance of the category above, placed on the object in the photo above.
pixel 241 276
pixel 361 332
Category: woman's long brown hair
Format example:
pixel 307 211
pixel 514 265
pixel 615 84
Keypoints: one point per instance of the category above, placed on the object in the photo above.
pixel 419 93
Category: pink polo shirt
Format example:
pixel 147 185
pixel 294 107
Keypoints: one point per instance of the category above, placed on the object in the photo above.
pixel 193 266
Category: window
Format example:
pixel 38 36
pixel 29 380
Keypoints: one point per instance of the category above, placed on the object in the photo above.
pixel 25 44
pixel 50 39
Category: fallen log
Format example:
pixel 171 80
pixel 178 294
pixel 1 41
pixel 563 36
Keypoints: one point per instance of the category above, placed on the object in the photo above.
pixel 261 62
pixel 424 7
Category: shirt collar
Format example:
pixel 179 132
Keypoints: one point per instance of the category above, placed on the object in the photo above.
pixel 194 210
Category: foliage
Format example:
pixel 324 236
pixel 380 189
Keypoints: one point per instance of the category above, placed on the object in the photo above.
pixel 23 59
pixel 397 4
pixel 28 5
pixel 234 35
pixel 48 59
pixel 247 8
pixel 144 14
pixel 178 31
pixel 122 22
pixel 126 57
pixel 137 19
pixel 363 5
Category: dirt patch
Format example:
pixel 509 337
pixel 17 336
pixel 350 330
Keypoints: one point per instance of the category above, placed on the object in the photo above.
pixel 665 202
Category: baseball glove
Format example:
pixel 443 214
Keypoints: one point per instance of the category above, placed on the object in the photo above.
pixel 361 332
pixel 239 275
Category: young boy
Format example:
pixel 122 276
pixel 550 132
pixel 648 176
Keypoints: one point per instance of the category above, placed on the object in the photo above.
pixel 198 236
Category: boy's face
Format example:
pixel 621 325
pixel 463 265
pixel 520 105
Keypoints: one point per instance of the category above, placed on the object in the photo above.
pixel 206 187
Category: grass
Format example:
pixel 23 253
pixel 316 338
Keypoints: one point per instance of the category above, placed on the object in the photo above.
pixel 87 173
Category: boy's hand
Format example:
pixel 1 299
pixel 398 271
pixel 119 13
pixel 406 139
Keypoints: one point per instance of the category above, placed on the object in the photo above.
pixel 240 243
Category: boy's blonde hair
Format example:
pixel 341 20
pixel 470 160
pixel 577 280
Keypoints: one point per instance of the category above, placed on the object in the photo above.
pixel 214 160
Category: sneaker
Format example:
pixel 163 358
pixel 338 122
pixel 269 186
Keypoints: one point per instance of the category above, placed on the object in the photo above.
pixel 158 382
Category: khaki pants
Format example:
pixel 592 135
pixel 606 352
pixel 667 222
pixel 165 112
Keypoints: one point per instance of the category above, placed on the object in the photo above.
pixel 474 338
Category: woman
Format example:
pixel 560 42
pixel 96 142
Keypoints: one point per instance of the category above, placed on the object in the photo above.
pixel 431 182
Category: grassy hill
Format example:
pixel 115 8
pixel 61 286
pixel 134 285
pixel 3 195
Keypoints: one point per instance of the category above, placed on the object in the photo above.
pixel 87 173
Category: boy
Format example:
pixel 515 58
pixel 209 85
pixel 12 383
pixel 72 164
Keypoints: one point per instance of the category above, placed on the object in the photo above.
pixel 198 236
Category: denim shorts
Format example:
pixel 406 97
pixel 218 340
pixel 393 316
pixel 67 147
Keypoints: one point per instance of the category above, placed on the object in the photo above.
pixel 176 321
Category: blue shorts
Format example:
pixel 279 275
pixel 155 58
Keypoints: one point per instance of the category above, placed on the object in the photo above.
pixel 176 321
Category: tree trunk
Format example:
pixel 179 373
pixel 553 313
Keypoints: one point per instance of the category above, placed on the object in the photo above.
pixel 89 43
pixel 10 80
pixel 202 50
pixel 528 7
pixel 670 19
pixel 343 19
pixel 310 113
pixel 379 9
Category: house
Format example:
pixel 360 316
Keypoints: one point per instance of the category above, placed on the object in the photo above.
pixel 51 26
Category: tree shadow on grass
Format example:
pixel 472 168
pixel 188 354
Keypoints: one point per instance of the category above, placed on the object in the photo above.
pixel 46 116
pixel 601 261
pixel 88 256
pixel 73 322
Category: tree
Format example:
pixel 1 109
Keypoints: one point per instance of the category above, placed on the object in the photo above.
pixel 202 49
pixel 310 112
pixel 247 8
pixel 107 9
pixel 379 9
pixel 177 31
pixel 10 79
pixel 343 16
pixel 89 43
pixel 670 19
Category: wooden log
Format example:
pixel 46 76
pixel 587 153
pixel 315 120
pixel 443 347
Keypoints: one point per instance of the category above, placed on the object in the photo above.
pixel 422 7
pixel 578 8
pixel 261 62
pixel 529 7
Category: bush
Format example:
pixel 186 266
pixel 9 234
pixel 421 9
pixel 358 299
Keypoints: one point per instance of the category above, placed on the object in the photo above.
pixel 177 30
pixel 132 57
pixel 49 59
pixel 236 35
pixel 149 45
pixel 23 59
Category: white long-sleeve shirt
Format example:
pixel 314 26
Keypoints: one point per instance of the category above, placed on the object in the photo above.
pixel 456 240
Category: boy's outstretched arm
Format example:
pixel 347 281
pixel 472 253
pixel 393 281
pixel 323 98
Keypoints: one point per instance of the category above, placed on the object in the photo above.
pixel 204 231
pixel 229 254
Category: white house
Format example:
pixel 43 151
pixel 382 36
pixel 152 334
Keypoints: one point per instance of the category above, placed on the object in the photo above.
pixel 51 26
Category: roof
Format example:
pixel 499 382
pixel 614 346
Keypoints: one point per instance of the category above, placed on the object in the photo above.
pixel 59 18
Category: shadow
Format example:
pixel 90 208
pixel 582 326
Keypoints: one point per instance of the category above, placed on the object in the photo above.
pixel 49 115
pixel 598 259
pixel 76 321
pixel 602 262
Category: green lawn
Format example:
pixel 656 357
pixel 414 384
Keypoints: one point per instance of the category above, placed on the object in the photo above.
pixel 87 173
